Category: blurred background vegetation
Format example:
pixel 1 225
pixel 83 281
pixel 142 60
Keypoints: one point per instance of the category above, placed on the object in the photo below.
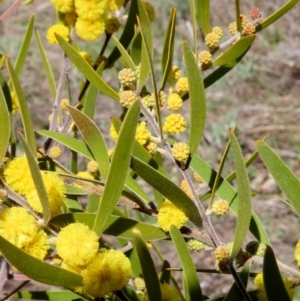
pixel 261 95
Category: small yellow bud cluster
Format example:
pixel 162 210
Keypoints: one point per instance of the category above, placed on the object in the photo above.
pixel 139 283
pixel 248 29
pixel 180 151
pixel 176 72
pixel 148 101
pixel 151 147
pixel 174 124
pixel 255 13
pixel 127 98
pixel 218 31
pixel 247 26
pixel 162 98
pixel 186 188
pixel 64 103
pixel 59 29
pixel 261 291
pixel 169 215
pixel 205 59
pixel 55 152
pixel 233 28
pixel 142 135
pixel 220 207
pixel 182 85
pixel 222 258
pixel 174 102
pixel 195 245
pixel 211 40
pixel 93 167
pixel 127 78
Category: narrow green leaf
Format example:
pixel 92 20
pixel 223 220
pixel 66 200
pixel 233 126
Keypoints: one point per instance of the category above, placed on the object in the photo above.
pixel 276 15
pixel 37 269
pixel 47 66
pixel 116 226
pixel 118 168
pixel 124 53
pixel 86 69
pixel 168 50
pixel 234 294
pixel 241 46
pixel 244 193
pixel 25 113
pixel 136 48
pixel 284 177
pixel 148 268
pixel 6 92
pixel 193 21
pixel 166 187
pixel 24 48
pixel 47 295
pixel 71 143
pixel 37 179
pixel 227 192
pixel 133 186
pixel 203 9
pixel 72 205
pixel 93 138
pixel 128 33
pixel 274 286
pixel 147 45
pixel 188 267
pixel 197 99
pixel 5 126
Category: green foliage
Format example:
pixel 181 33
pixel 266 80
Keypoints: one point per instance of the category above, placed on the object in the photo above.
pixel 119 198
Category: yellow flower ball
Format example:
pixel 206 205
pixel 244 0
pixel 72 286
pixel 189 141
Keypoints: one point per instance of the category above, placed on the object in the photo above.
pixel 182 85
pixel 127 98
pixel 18 176
pixel 180 151
pixel 55 189
pixel 92 167
pixel 77 245
pixel 151 146
pixel 113 5
pixel 176 72
pixel 109 271
pixel 90 10
pixel 169 215
pixel 205 57
pixel 174 102
pixel 218 31
pixel 162 98
pixel 148 101
pixel 59 29
pixel 248 29
pixel 212 40
pixel 127 77
pixel 55 152
pixel 174 124
pixel 64 103
pixel 89 30
pixel 142 135
pixel 233 28
pixel 18 226
pixel 220 207
pixel 64 6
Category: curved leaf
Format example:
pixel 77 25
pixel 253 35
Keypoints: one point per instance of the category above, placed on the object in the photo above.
pixel 5 126
pixel 118 168
pixel 284 177
pixel 274 286
pixel 116 226
pixel 72 143
pixel 235 51
pixel 148 268
pixel 25 113
pixel 37 269
pixel 244 194
pixel 193 22
pixel 86 69
pixel 167 56
pixel 47 66
pixel 128 33
pixel 197 99
pixel 47 295
pixel 133 186
pixel 188 267
pixel 166 187
pixel 227 192
pixel 277 14
pixel 93 138
pixel 203 9
pixel 136 48
pixel 37 180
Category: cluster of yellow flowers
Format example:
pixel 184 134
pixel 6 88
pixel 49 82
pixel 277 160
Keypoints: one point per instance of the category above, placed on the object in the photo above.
pixel 18 177
pixel 168 293
pixel 103 271
pixel 90 18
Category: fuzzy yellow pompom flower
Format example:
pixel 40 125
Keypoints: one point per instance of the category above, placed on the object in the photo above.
pixel 220 207
pixel 182 85
pixel 113 5
pixel 150 146
pixel 77 245
pixel 93 167
pixel 113 133
pixel 91 10
pixel 127 98
pixel 89 30
pixel 64 6
pixel 261 292
pixel 212 40
pixel 38 246
pixel 205 58
pixel 59 29
pixel 17 225
pixel 55 152
pixel 168 293
pixel 180 151
pixel 109 271
pixel 162 98
pixel 112 24
pixel 169 215
pixel 174 124
pixel 233 28
pixel 18 176
pixel 174 101
pixel 55 189
pixel 218 31
pixel 142 135
pixel 127 77
pixel 176 72
pixel 195 245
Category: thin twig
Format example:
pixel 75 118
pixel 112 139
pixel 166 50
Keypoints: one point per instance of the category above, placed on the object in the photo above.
pixel 10 10
pixel 15 290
